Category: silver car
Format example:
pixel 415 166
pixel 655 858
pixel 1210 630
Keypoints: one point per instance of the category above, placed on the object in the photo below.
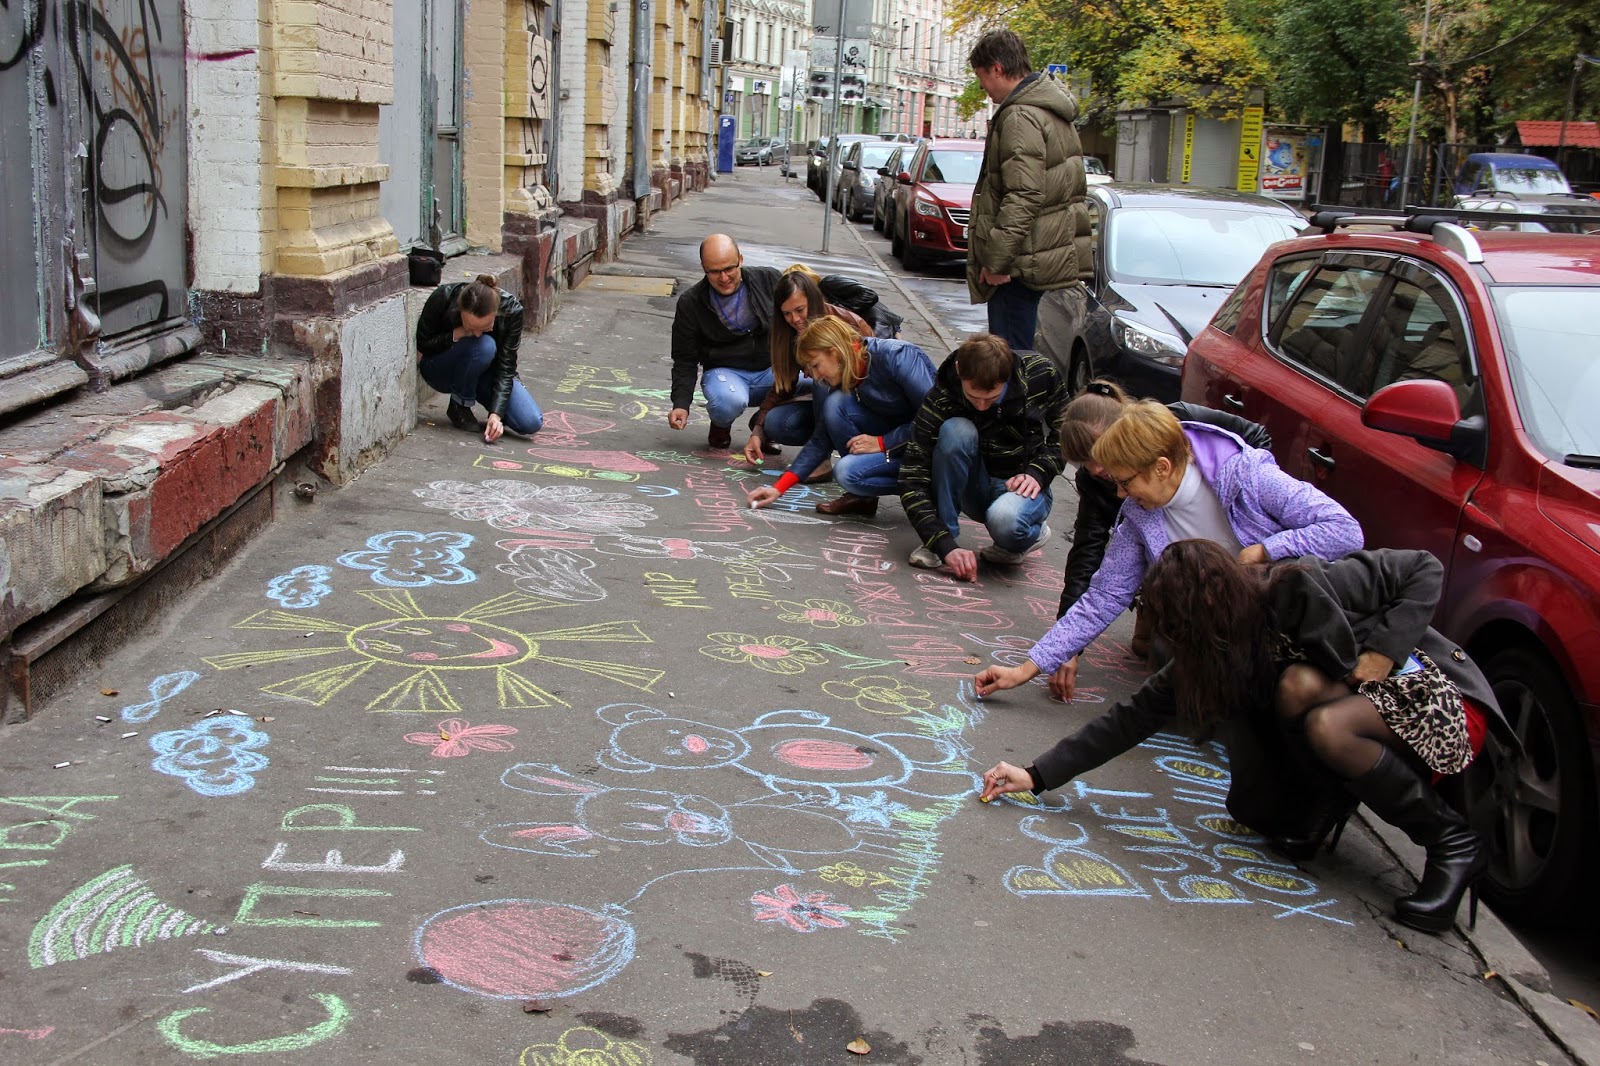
pixel 858 177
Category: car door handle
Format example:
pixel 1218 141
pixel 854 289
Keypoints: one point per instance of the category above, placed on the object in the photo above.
pixel 1327 462
pixel 1233 401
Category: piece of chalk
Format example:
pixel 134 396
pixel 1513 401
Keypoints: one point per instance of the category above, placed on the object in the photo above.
pixel 983 799
pixel 135 733
pixel 101 718
pixel 61 765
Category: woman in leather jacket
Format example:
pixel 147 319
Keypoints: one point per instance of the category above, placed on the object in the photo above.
pixel 467 340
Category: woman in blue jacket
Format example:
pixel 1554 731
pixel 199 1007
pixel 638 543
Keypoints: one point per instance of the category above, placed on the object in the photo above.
pixel 867 392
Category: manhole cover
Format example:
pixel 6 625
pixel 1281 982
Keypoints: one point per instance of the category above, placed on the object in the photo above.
pixel 636 286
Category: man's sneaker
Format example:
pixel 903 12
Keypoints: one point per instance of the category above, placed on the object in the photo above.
pixel 996 554
pixel 719 438
pixel 461 417
pixel 925 558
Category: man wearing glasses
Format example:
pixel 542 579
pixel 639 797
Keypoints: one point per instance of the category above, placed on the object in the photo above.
pixel 720 333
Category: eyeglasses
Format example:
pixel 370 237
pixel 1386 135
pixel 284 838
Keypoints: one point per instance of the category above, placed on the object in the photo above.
pixel 721 272
pixel 1122 483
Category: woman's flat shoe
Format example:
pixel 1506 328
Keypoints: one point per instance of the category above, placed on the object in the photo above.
pixel 821 473
pixel 850 504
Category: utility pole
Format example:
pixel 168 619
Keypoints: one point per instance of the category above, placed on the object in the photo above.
pixel 1416 101
pixel 833 137
pixel 1572 99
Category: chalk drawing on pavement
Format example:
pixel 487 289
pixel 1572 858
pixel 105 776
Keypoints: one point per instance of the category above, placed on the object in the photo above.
pixel 407 559
pixel 1176 855
pixel 554 572
pixel 775 654
pixel 524 507
pixel 524 948
pixel 819 614
pixel 455 737
pixel 762 555
pixel 29 1034
pixel 161 690
pixel 551 469
pixel 568 428
pixel 115 910
pixel 302 587
pixel 337 1016
pixel 803 912
pixel 586 1046
pixel 373 781
pixel 215 757
pixel 431 654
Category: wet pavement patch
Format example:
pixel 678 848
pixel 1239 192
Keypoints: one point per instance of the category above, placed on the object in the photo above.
pixel 774 1036
pixel 423 975
pixel 618 1025
pixel 1060 1044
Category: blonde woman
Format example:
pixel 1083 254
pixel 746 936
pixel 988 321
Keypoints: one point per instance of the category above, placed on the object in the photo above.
pixel 867 392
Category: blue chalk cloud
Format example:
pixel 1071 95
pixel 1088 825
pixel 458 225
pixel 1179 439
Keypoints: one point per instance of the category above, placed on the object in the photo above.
pixel 300 588
pixel 215 757
pixel 404 559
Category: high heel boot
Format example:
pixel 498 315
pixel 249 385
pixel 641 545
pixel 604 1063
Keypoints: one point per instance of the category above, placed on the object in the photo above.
pixel 1456 858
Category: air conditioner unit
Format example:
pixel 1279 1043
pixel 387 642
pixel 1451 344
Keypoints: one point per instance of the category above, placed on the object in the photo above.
pixel 714 57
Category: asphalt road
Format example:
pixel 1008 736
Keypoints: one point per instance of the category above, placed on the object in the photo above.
pixel 553 752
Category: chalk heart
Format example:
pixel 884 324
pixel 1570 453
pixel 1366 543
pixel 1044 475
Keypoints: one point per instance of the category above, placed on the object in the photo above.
pixel 524 948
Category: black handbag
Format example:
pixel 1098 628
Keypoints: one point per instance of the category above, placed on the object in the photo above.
pixel 425 265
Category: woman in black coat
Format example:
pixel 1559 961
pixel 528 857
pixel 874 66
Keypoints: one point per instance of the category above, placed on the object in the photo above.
pixel 467 340
pixel 1340 652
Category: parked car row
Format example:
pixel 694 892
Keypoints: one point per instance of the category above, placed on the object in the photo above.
pixel 759 151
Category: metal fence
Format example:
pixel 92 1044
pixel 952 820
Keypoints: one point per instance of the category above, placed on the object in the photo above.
pixel 1371 173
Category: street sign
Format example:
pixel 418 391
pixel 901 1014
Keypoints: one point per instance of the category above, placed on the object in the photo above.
pixel 1056 70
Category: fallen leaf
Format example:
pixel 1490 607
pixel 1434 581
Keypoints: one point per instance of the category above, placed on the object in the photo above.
pixel 108 692
pixel 858 1046
pixel 763 973
pixel 535 1006
pixel 1590 1011
pixel 972 660
pixel 1490 975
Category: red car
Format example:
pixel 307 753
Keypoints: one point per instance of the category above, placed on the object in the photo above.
pixel 1444 385
pixel 933 200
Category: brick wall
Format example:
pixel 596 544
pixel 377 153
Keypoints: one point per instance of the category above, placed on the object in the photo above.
pixel 226 187
pixel 335 49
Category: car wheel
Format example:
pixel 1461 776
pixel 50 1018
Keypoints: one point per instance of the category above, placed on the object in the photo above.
pixel 1535 811
pixel 1080 372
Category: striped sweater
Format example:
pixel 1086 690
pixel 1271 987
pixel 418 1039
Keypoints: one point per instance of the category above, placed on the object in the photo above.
pixel 1018 435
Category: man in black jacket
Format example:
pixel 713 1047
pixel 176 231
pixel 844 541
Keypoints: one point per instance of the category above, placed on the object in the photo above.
pixel 984 444
pixel 720 332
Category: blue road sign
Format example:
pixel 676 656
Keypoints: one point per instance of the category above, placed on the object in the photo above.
pixel 1056 70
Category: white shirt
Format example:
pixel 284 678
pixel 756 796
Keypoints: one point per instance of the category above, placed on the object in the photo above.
pixel 1195 512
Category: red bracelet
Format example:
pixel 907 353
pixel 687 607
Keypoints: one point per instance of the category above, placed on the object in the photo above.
pixel 786 482
pixel 881 448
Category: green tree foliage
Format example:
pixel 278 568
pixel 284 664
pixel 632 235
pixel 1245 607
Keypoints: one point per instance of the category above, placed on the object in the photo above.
pixel 1333 61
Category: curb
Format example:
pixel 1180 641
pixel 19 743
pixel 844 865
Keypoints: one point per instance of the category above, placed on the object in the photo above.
pixel 1506 957
pixel 948 339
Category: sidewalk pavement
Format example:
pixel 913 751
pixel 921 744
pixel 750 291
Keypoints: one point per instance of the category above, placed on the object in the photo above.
pixel 552 751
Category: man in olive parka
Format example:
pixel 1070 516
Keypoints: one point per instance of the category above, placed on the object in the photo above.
pixel 1029 229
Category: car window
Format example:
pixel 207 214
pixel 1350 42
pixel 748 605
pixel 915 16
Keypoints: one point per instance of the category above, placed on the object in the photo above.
pixel 1227 317
pixel 960 168
pixel 1418 334
pixel 875 156
pixel 1548 334
pixel 1282 282
pixel 1320 329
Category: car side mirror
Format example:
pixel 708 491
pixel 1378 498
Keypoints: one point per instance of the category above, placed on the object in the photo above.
pixel 848 166
pixel 903 178
pixel 1427 410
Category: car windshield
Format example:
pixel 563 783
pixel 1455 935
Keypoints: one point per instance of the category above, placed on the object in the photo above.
pixel 1530 181
pixel 1191 245
pixel 958 168
pixel 1091 165
pixel 874 156
pixel 1548 335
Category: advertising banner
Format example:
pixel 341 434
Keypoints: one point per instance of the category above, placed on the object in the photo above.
pixel 1285 161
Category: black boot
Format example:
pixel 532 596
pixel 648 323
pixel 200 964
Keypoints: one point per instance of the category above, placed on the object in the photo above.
pixel 461 417
pixel 1456 858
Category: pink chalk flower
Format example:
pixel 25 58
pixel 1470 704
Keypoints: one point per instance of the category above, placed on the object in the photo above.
pixel 802 913
pixel 823 614
pixel 775 654
pixel 455 737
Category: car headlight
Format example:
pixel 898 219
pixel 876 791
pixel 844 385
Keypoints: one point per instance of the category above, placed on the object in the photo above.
pixel 1160 348
pixel 927 207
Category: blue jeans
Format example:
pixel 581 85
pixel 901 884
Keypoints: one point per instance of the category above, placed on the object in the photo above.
pixel 871 474
pixel 728 392
pixel 792 421
pixel 962 485
pixel 1014 314
pixel 462 371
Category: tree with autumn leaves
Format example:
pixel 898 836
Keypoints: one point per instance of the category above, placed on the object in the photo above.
pixel 1487 62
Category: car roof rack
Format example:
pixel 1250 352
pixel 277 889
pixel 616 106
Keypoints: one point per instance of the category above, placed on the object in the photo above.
pixel 1442 224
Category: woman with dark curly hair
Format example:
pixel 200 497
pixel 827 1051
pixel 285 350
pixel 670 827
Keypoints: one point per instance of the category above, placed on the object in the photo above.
pixel 1339 652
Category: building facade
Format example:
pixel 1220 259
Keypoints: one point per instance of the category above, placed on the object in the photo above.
pixel 205 209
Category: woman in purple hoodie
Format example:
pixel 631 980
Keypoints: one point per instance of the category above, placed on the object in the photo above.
pixel 1182 480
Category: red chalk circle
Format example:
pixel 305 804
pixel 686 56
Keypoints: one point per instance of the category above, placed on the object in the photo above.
pixel 524 948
